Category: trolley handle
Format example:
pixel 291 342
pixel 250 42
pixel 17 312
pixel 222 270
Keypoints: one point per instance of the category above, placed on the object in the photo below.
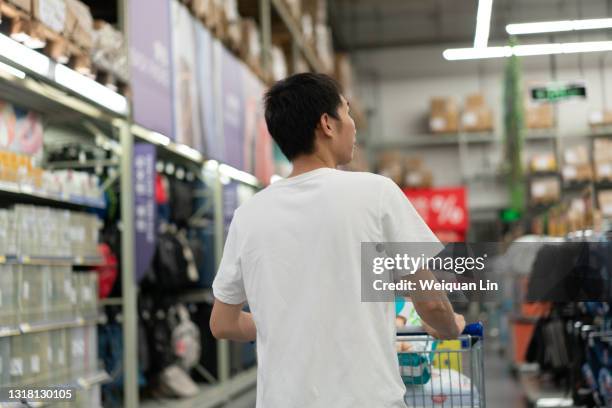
pixel 472 329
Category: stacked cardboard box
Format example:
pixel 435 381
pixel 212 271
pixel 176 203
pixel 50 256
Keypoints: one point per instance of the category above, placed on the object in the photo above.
pixel 295 8
pixel 79 24
pixel 416 175
pixel 444 115
pixel 51 13
pixel 540 116
pixel 477 116
pixel 602 159
pixel 545 190
pixel 604 198
pixel 576 165
pixel 390 164
pixel 344 73
pixel 24 5
pixel 543 162
pixel 250 46
pixel 109 50
pixel 600 118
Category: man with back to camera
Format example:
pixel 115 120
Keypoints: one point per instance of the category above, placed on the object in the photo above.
pixel 293 253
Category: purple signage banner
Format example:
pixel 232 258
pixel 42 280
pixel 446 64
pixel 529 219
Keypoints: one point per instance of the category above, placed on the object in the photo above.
pixel 232 96
pixel 150 65
pixel 144 206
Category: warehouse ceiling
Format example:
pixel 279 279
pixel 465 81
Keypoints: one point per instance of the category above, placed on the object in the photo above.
pixel 367 24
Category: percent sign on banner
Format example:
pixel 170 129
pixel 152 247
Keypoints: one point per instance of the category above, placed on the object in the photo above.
pixel 443 209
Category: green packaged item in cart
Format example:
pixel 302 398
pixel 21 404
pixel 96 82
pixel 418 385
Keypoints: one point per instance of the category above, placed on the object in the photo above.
pixel 415 365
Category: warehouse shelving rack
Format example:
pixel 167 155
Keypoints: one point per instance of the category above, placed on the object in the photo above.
pixel 40 92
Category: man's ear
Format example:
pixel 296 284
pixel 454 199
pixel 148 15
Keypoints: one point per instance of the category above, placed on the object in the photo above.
pixel 325 125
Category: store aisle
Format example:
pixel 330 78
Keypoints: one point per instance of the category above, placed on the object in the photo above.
pixel 502 390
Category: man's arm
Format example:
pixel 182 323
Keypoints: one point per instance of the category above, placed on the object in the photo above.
pixel 231 323
pixel 433 307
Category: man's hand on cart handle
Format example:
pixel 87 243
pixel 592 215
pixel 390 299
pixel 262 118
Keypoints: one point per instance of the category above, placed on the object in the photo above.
pixel 459 321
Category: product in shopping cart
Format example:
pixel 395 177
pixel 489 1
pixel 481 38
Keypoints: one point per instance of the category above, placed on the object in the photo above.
pixel 414 361
pixel 447 388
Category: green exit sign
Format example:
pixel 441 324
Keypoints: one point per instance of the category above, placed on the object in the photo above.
pixel 558 92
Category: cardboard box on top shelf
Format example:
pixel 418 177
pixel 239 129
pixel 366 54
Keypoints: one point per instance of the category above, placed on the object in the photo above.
pixel 24 5
pixel 603 171
pixel 390 164
pixel 604 199
pixel 577 172
pixel 576 155
pixel 295 8
pixel 307 25
pixel 545 190
pixel 79 23
pixel 540 116
pixel 203 9
pixel 279 63
pixel 602 150
pixel 444 115
pixel 600 118
pixel 51 13
pixel 543 162
pixel 324 47
pixel 415 173
pixel 250 49
pixel 476 116
pixel 317 9
pixel 343 71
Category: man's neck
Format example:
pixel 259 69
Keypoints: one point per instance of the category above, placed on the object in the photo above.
pixel 304 164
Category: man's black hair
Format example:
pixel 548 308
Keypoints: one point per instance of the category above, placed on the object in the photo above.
pixel 294 107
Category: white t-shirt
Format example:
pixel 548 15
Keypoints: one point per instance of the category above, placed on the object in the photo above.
pixel 293 252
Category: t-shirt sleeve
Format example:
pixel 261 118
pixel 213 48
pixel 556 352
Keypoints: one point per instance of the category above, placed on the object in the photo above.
pixel 228 285
pixel 401 223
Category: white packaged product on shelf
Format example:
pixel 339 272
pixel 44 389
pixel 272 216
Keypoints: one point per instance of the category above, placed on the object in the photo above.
pixel 5 357
pixel 8 302
pixel 446 388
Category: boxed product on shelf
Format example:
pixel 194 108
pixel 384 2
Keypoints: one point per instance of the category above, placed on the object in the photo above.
pixel 58 354
pixel 91 347
pixel 51 13
pixel 603 171
pixel 600 118
pixel 31 294
pixel 18 369
pixel 8 298
pixel 36 347
pixel 545 190
pixel 602 150
pixel 415 173
pixel 476 116
pixel 390 165
pixel 8 237
pixel 543 162
pixel 317 9
pixel 250 49
pixel 540 116
pixel 79 23
pixel 324 46
pixel 279 63
pixel 307 26
pixel 344 73
pixel 576 155
pixel 60 288
pixel 86 287
pixel 109 51
pixel 443 115
pixel 295 8
pixel 604 199
pixel 5 357
pixel 25 5
pixel 577 172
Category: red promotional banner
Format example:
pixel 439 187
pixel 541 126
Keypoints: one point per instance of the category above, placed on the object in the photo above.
pixel 443 209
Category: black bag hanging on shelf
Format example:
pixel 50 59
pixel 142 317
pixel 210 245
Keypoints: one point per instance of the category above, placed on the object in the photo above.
pixel 181 202
pixel 173 268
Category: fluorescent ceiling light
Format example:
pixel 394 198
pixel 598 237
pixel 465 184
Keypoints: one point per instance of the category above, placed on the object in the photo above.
pixel 483 23
pixel 90 89
pixel 239 175
pixel 189 152
pixel 455 54
pixel 159 139
pixel 24 56
pixel 558 26
pixel 13 71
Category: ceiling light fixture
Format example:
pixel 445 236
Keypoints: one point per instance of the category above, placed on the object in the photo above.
pixel 457 54
pixel 558 26
pixel 483 23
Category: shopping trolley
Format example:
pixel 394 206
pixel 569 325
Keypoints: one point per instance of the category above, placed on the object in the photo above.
pixel 442 374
